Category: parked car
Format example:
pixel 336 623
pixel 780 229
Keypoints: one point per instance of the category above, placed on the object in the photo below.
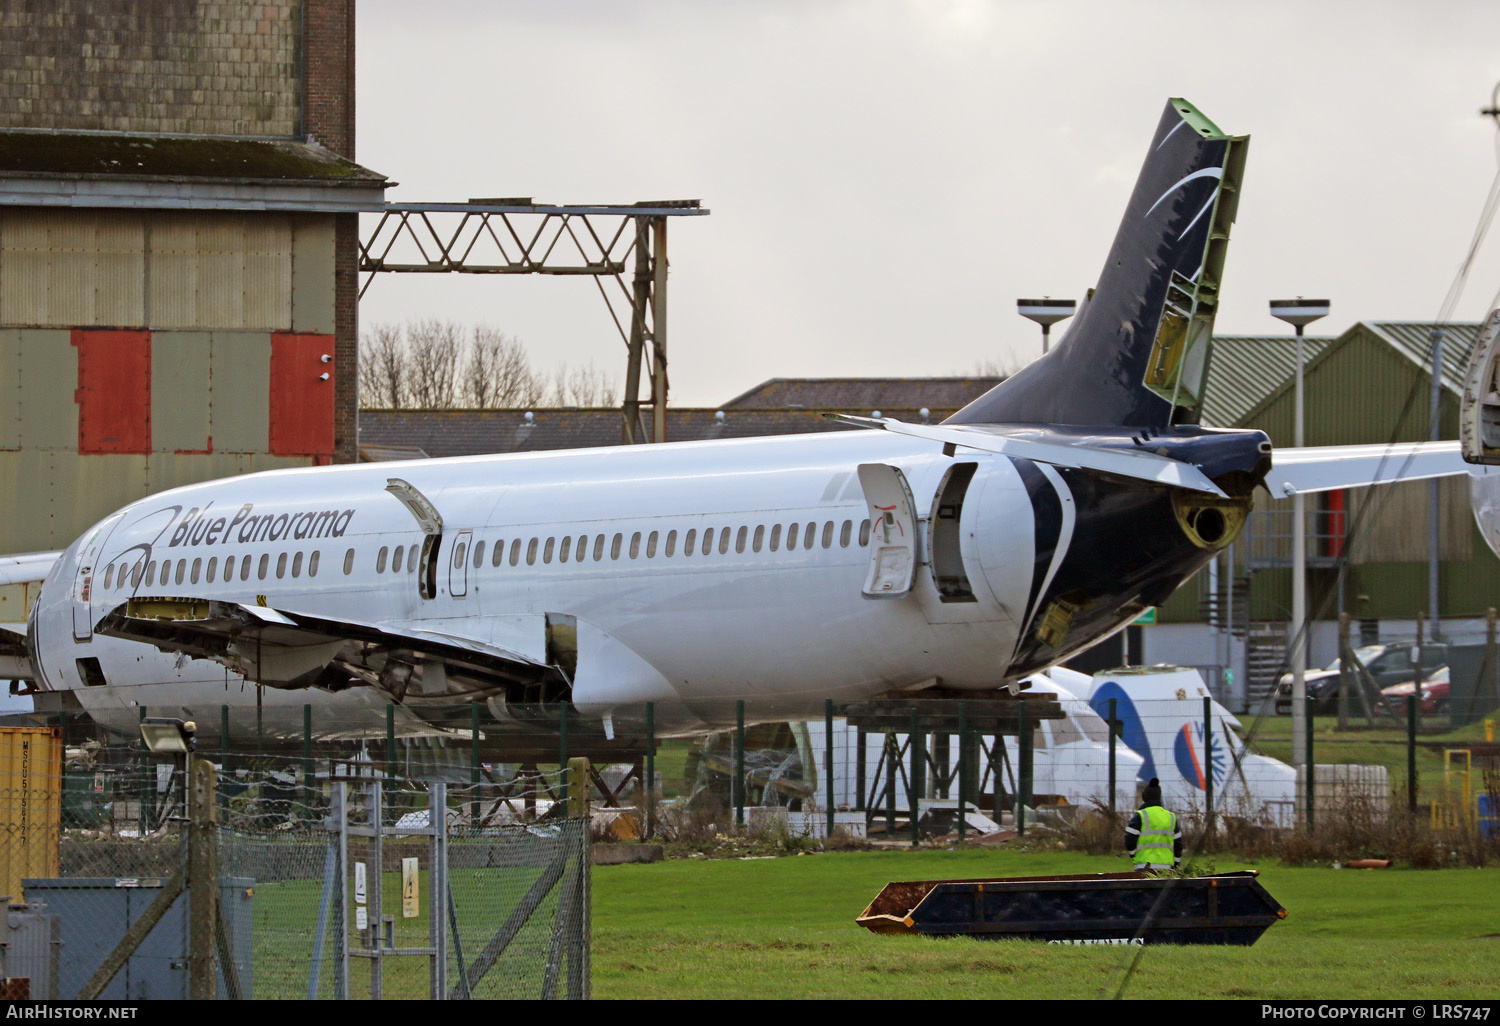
pixel 1388 664
pixel 1432 699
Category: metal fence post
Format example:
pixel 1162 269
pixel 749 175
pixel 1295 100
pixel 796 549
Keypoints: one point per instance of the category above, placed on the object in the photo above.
pixel 474 762
pixel 891 753
pixel 1114 733
pixel 341 920
pixel 1489 661
pixel 562 747
pixel 963 772
pixel 1208 769
pixel 203 880
pixel 1311 765
pixel 739 763
pixel 1023 772
pixel 375 887
pixel 437 895
pixel 913 779
pixel 1411 754
pixel 390 741
pixel 828 758
pixel 650 796
pixel 309 775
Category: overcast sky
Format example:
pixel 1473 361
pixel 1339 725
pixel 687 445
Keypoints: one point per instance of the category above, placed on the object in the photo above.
pixel 887 178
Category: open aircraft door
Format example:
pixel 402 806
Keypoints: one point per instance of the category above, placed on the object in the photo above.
pixel 83 578
pixel 893 531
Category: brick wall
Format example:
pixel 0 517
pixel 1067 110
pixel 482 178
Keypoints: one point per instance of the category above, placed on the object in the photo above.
pixel 330 74
pixel 207 67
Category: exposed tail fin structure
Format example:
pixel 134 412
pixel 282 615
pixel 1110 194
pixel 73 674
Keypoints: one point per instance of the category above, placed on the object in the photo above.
pixel 1136 354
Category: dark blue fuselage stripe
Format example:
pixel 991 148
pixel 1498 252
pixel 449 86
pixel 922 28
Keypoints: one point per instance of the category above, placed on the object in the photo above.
pixel 1046 510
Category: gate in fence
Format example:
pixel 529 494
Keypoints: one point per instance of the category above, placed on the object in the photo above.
pixel 418 900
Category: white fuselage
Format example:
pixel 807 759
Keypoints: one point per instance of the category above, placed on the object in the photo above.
pixel 772 613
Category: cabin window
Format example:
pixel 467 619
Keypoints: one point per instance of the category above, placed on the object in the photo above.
pixel 228 568
pixel 348 562
pixel 478 554
pixel 213 569
pixel 566 549
pixel 809 535
pixel 281 566
pixel 724 541
pixel 531 547
pixel 401 551
pixel 458 553
pixel 197 568
pixel 151 573
pixel 411 559
pixel 671 543
pixel 635 545
pixel 312 563
pixel 687 545
pixel 515 552
pixel 379 560
pixel 651 545
pixel 791 537
pixel 759 539
pixel 265 564
pixel 581 549
pixel 181 570
pixel 497 556
pixel 708 541
pixel 547 550
pixel 135 575
pixel 598 548
pixel 845 533
pixel 614 546
pixel 244 568
pixel 828 534
pixel 739 539
pixel 864 533
pixel 166 571
pixel 109 573
pixel 775 537
pixel 297 564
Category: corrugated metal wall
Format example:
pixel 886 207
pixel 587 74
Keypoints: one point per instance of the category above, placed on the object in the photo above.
pixel 211 287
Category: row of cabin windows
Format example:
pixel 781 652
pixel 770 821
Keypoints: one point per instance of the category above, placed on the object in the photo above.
pixel 184 571
pixel 795 535
pixel 405 557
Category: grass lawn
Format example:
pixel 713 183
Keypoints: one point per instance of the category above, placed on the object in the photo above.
pixel 784 928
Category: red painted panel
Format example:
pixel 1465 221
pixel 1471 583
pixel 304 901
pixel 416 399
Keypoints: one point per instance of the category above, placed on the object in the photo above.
pixel 114 391
pixel 301 394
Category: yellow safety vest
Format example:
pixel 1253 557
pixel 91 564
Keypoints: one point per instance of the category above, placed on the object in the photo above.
pixel 1158 833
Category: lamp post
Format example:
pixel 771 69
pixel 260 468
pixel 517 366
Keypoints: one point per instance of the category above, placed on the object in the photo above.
pixel 1046 312
pixel 1299 313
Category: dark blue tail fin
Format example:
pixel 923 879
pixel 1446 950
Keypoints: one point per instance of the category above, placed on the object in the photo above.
pixel 1136 354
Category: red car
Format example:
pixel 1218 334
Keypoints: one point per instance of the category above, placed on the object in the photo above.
pixel 1433 696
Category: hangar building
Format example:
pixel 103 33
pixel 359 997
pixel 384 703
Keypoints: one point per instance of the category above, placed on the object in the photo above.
pixel 178 247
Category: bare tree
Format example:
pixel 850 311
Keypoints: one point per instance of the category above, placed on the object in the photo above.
pixel 383 364
pixel 582 386
pixel 497 373
pixel 435 348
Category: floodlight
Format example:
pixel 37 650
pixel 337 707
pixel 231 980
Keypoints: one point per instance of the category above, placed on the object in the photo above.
pixel 1046 312
pixel 165 736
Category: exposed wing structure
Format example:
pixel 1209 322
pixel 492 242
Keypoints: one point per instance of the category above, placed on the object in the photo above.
pixel 15 657
pixel 1325 468
pixel 286 649
pixel 27 567
pixel 1142 466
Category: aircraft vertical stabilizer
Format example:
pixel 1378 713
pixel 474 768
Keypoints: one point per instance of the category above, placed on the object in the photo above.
pixel 1136 354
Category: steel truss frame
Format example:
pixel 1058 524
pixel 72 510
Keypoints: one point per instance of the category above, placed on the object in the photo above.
pixel 517 236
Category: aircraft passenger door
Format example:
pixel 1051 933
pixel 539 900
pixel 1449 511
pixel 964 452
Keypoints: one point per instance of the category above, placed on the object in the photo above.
pixel 893 531
pixel 84 576
pixel 458 565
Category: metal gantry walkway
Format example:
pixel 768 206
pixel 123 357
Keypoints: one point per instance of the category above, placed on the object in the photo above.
pixel 519 236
